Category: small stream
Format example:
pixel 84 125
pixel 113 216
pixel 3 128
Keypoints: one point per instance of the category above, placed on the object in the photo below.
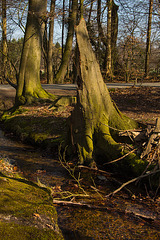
pixel 34 163
pixel 78 223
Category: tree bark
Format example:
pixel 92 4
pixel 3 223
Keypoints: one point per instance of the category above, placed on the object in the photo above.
pixel 95 114
pixel 81 9
pixel 68 47
pixel 50 44
pixel 148 44
pixel 4 38
pixel 29 86
pixel 100 29
pixel 114 33
pixel 109 41
pixel 63 14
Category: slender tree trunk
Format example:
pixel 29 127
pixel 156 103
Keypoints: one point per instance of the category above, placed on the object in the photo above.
pixel 68 47
pixel 45 48
pixel 50 43
pixel 109 41
pixel 4 38
pixel 148 44
pixel 114 26
pixel 90 12
pixel 96 117
pixel 63 27
pixel 81 9
pixel 29 86
pixel 90 29
pixel 100 29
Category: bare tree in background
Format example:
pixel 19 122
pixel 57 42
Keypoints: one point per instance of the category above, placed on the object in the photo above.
pixel 50 43
pixel 4 38
pixel 109 72
pixel 63 18
pixel 68 47
pixel 148 44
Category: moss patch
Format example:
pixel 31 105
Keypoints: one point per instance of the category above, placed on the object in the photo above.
pixel 16 232
pixel 40 125
pixel 26 211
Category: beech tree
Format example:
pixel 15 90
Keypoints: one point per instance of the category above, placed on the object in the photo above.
pixel 29 86
pixel 96 119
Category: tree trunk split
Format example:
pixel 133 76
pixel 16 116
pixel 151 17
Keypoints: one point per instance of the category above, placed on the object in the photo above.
pixel 95 114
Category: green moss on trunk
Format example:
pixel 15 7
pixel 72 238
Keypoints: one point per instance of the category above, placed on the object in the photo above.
pixel 96 120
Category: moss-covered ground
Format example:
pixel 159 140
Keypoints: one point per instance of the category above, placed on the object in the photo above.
pixel 26 211
pixel 42 124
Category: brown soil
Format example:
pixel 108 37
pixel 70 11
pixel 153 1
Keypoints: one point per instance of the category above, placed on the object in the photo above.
pixel 140 103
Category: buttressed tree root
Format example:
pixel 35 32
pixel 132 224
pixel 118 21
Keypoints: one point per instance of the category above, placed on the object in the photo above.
pixel 96 119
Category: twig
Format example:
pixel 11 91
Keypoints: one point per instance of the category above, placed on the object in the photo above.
pixel 96 190
pixel 95 170
pixel 67 195
pixel 71 171
pixel 78 204
pixel 131 181
pixel 148 165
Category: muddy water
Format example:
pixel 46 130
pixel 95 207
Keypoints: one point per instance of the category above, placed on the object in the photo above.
pixel 32 162
pixel 115 221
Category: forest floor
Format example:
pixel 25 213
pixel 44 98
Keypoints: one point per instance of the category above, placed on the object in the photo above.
pixel 140 103
pixel 121 217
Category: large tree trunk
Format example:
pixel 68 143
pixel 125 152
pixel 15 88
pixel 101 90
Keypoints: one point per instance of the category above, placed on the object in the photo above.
pixel 68 47
pixel 29 86
pixel 95 115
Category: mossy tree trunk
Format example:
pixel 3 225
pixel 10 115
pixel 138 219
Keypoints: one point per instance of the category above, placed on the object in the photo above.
pixel 29 86
pixel 95 114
